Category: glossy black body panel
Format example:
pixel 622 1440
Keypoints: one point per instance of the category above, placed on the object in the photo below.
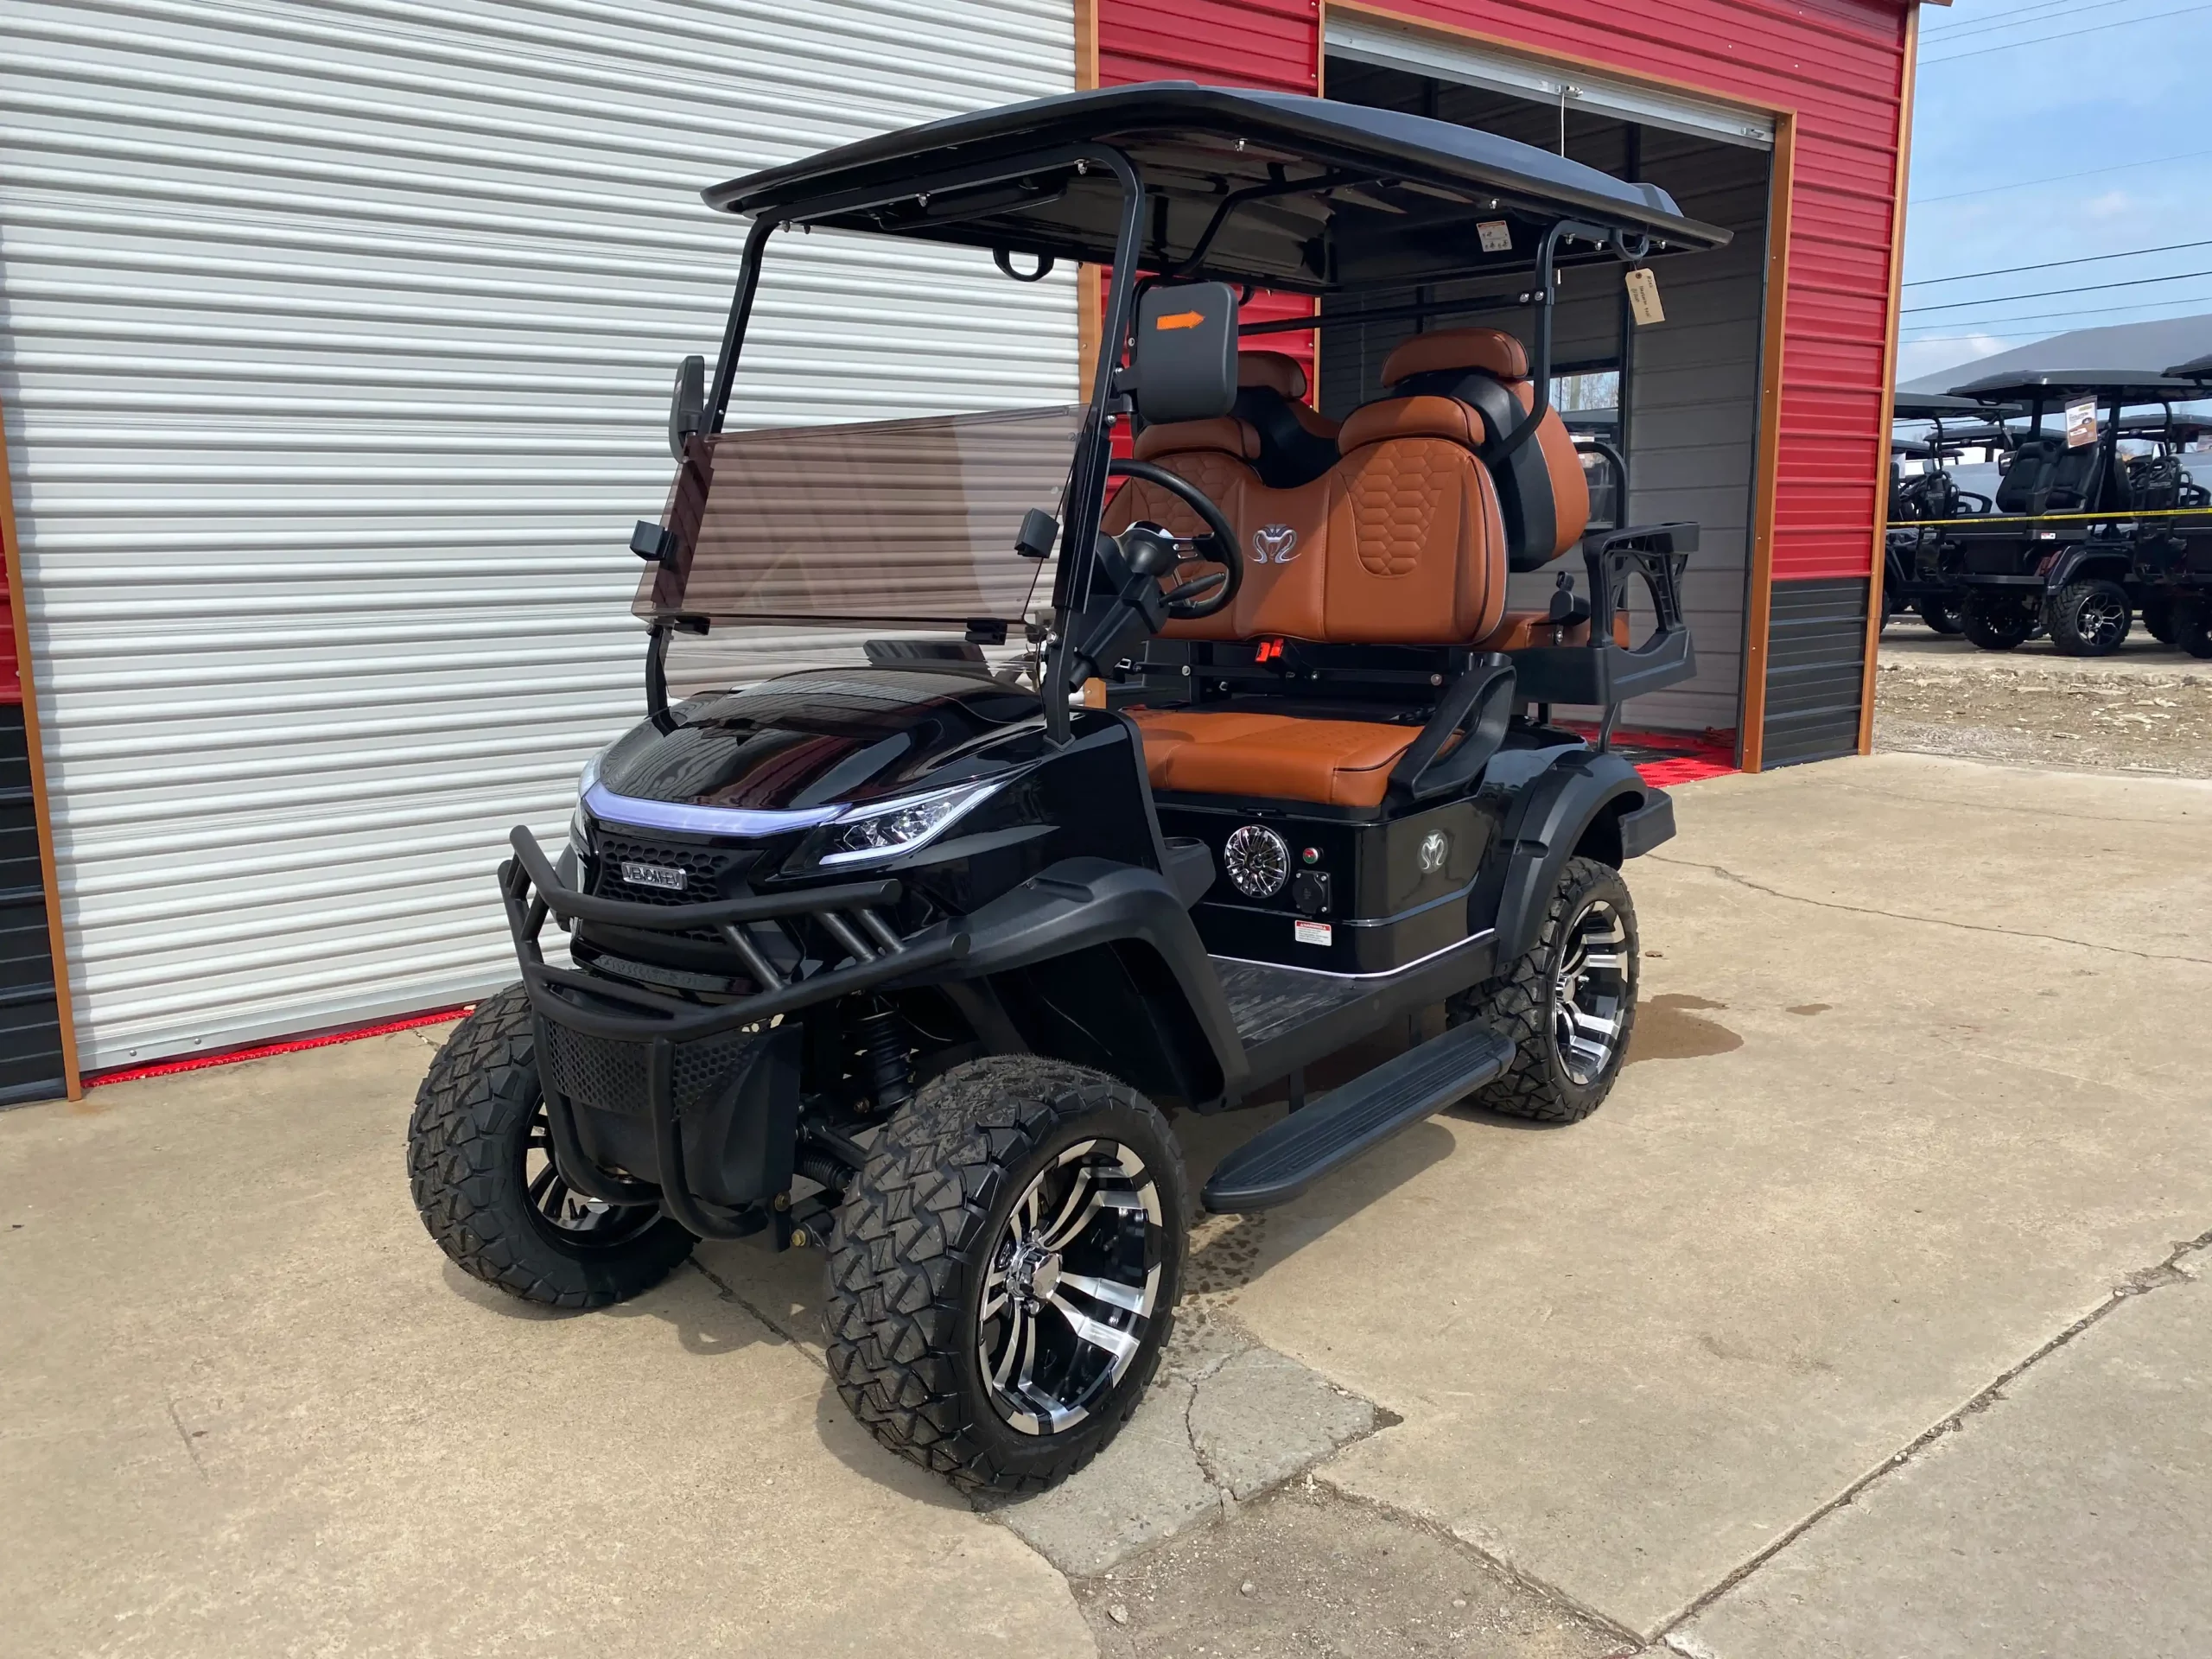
pixel 828 737
pixel 1388 905
pixel 858 736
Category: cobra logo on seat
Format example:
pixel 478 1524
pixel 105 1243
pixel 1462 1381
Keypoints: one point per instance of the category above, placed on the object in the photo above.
pixel 1275 544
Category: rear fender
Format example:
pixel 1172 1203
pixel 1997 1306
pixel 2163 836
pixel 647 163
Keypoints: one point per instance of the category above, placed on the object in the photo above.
pixel 1594 805
pixel 2082 561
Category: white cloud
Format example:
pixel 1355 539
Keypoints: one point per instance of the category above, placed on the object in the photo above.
pixel 1919 357
pixel 2111 205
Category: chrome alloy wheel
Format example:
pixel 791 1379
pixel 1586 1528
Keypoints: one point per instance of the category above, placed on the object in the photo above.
pixel 1073 1283
pixel 2101 618
pixel 1590 992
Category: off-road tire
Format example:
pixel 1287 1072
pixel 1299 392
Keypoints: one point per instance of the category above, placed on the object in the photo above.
pixel 2075 612
pixel 1999 626
pixel 465 1146
pixel 1516 1004
pixel 913 1239
pixel 2193 627
pixel 2158 620
pixel 1941 615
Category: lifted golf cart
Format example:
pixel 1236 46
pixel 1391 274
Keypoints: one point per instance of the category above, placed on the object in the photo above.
pixel 1920 554
pixel 905 958
pixel 2177 603
pixel 2077 525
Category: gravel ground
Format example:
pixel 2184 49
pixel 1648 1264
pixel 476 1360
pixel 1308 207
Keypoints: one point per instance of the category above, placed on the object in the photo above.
pixel 2046 711
pixel 1306 1575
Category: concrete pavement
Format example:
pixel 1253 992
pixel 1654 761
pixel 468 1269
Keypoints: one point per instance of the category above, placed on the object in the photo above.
pixel 1807 1343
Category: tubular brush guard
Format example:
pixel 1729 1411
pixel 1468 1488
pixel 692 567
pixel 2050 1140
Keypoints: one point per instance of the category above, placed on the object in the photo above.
pixel 567 1002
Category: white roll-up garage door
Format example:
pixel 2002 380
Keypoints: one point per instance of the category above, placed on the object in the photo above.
pixel 337 345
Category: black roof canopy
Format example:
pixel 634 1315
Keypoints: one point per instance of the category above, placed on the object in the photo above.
pixel 2197 368
pixel 1326 196
pixel 1929 406
pixel 2129 386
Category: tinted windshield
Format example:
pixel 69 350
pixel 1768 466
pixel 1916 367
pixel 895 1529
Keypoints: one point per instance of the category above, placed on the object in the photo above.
pixel 896 522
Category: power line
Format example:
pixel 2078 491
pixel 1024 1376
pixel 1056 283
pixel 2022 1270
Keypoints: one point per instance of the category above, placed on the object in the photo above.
pixel 2058 178
pixel 1965 27
pixel 2054 293
pixel 2062 316
pixel 2048 264
pixel 2068 35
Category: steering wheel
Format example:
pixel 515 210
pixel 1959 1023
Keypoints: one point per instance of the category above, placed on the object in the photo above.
pixel 1202 596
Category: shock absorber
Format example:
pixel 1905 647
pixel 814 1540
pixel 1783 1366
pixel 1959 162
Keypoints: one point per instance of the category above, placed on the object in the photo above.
pixel 890 1069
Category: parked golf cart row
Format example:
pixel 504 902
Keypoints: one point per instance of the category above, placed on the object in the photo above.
pixel 2079 538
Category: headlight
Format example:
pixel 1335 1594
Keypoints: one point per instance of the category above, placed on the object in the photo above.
pixel 579 827
pixel 863 835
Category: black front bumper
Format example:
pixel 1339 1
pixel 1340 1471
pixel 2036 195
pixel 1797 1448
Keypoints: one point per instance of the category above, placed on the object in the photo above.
pixel 657 1098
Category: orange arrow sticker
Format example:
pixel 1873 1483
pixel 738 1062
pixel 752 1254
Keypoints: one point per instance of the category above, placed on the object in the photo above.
pixel 1180 319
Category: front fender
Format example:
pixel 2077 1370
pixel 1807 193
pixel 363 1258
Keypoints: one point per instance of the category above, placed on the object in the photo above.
pixel 1581 801
pixel 1081 904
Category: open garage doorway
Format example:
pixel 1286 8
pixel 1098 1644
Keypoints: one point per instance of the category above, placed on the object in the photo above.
pixel 1680 399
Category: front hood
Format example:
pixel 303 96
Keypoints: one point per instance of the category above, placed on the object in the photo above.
pixel 816 741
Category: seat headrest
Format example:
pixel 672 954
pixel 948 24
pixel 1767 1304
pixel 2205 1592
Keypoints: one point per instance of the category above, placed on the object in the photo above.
pixel 1272 370
pixel 1224 433
pixel 1411 418
pixel 1491 350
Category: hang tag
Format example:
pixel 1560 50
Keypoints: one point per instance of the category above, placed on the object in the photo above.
pixel 1496 235
pixel 2081 422
pixel 1643 297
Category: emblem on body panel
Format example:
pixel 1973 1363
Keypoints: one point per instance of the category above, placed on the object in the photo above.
pixel 658 876
pixel 1275 544
pixel 1435 848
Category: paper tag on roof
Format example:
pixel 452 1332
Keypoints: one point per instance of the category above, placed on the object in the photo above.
pixel 1496 235
pixel 1643 297
pixel 2081 422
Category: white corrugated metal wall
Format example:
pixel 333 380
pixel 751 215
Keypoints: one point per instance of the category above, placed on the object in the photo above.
pixel 336 352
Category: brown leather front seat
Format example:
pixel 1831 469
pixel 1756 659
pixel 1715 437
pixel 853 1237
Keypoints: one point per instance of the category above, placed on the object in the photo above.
pixel 1541 488
pixel 1401 543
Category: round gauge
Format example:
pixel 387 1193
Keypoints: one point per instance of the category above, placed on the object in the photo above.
pixel 1257 861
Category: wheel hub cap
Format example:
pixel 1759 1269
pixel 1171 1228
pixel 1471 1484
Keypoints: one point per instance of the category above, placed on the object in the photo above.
pixel 1072 1288
pixel 1590 992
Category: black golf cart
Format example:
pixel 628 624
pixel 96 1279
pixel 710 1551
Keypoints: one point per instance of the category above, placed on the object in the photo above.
pixel 1920 556
pixel 2062 547
pixel 904 958
pixel 2178 605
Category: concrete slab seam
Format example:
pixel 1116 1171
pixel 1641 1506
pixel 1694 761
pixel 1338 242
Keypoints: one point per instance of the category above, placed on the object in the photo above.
pixel 1152 1505
pixel 775 1332
pixel 1727 875
pixel 1543 1589
pixel 2169 1271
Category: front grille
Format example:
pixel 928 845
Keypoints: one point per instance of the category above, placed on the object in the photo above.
pixel 611 1075
pixel 707 870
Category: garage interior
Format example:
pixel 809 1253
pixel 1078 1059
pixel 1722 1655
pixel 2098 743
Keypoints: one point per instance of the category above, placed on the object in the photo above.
pixel 1689 385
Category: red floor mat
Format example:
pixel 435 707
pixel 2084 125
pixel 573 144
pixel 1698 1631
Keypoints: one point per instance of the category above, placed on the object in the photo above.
pixel 1665 758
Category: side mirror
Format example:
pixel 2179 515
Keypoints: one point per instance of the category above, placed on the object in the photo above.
pixel 1185 359
pixel 687 404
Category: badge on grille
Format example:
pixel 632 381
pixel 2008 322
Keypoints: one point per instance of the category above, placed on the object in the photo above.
pixel 653 875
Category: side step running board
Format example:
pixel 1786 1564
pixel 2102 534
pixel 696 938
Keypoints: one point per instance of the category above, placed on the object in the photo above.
pixel 1279 1163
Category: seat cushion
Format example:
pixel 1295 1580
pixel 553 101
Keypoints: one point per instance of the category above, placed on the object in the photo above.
pixel 1278 757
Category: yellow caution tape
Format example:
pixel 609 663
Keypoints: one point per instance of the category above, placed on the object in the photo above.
pixel 1998 518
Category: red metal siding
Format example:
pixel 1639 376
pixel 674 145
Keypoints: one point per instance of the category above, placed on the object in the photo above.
pixel 1270 43
pixel 1836 64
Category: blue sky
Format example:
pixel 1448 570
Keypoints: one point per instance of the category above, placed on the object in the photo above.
pixel 2013 93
